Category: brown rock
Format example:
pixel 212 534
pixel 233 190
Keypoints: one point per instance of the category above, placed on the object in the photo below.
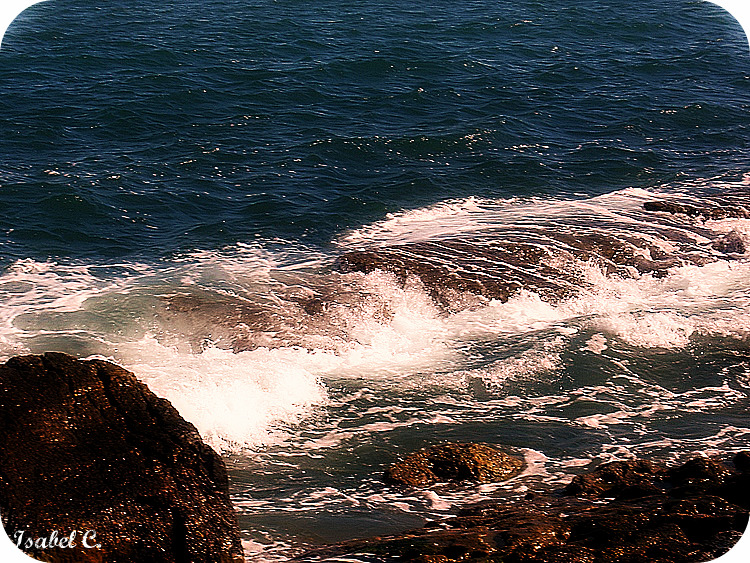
pixel 686 514
pixel 699 471
pixel 709 210
pixel 546 257
pixel 86 446
pixel 742 461
pixel 731 243
pixel 457 463
pixel 617 479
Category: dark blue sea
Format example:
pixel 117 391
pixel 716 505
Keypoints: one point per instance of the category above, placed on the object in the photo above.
pixel 179 179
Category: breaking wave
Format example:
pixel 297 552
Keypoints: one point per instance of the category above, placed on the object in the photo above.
pixel 249 342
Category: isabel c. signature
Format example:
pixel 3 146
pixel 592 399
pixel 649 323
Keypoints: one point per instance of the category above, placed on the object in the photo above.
pixel 88 540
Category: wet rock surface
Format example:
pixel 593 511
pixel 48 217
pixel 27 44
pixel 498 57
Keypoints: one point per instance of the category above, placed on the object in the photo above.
pixel 87 447
pixel 491 269
pixel 731 243
pixel 708 209
pixel 621 512
pixel 456 463
pixel 548 259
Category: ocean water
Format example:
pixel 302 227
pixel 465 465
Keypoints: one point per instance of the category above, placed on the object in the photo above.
pixel 178 180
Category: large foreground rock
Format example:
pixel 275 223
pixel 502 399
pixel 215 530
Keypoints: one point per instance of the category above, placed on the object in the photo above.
pixel 86 446
pixel 623 512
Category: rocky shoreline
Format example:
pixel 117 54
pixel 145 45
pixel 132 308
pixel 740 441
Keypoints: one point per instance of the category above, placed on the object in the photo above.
pixel 96 468
pixel 621 512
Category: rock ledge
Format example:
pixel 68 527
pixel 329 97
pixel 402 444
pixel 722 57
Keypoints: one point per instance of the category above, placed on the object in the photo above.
pixel 622 512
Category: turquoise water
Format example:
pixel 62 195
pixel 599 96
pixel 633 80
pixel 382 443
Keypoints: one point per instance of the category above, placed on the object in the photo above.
pixel 175 179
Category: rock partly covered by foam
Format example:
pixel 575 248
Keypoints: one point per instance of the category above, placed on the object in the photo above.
pixel 622 512
pixel 479 463
pixel 550 256
pixel 88 448
pixel 550 265
pixel 707 210
pixel 731 243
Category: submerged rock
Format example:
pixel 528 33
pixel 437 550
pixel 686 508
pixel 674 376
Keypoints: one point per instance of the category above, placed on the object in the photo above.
pixel 551 254
pixel 498 268
pixel 552 251
pixel 480 463
pixel 708 210
pixel 494 269
pixel 622 512
pixel 88 448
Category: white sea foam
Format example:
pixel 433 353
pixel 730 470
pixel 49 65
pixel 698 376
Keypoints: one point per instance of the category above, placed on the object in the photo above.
pixel 529 365
pixel 596 344
pixel 476 215
pixel 238 399
pixel 233 399
pixel 666 313
pixel 449 217
pixel 28 288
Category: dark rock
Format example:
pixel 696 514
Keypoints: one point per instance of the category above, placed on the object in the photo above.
pixel 550 254
pixel 617 479
pixel 547 255
pixel 731 243
pixel 622 512
pixel 742 461
pixel 480 463
pixel 699 471
pixel 709 210
pixel 671 207
pixel 497 266
pixel 86 446
pixel 449 268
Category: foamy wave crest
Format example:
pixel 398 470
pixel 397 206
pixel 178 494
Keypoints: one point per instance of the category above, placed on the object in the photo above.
pixel 244 341
pixel 29 288
pixel 451 217
pixel 235 400
pixel 472 215
pixel 111 311
pixel 648 312
pixel 693 301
